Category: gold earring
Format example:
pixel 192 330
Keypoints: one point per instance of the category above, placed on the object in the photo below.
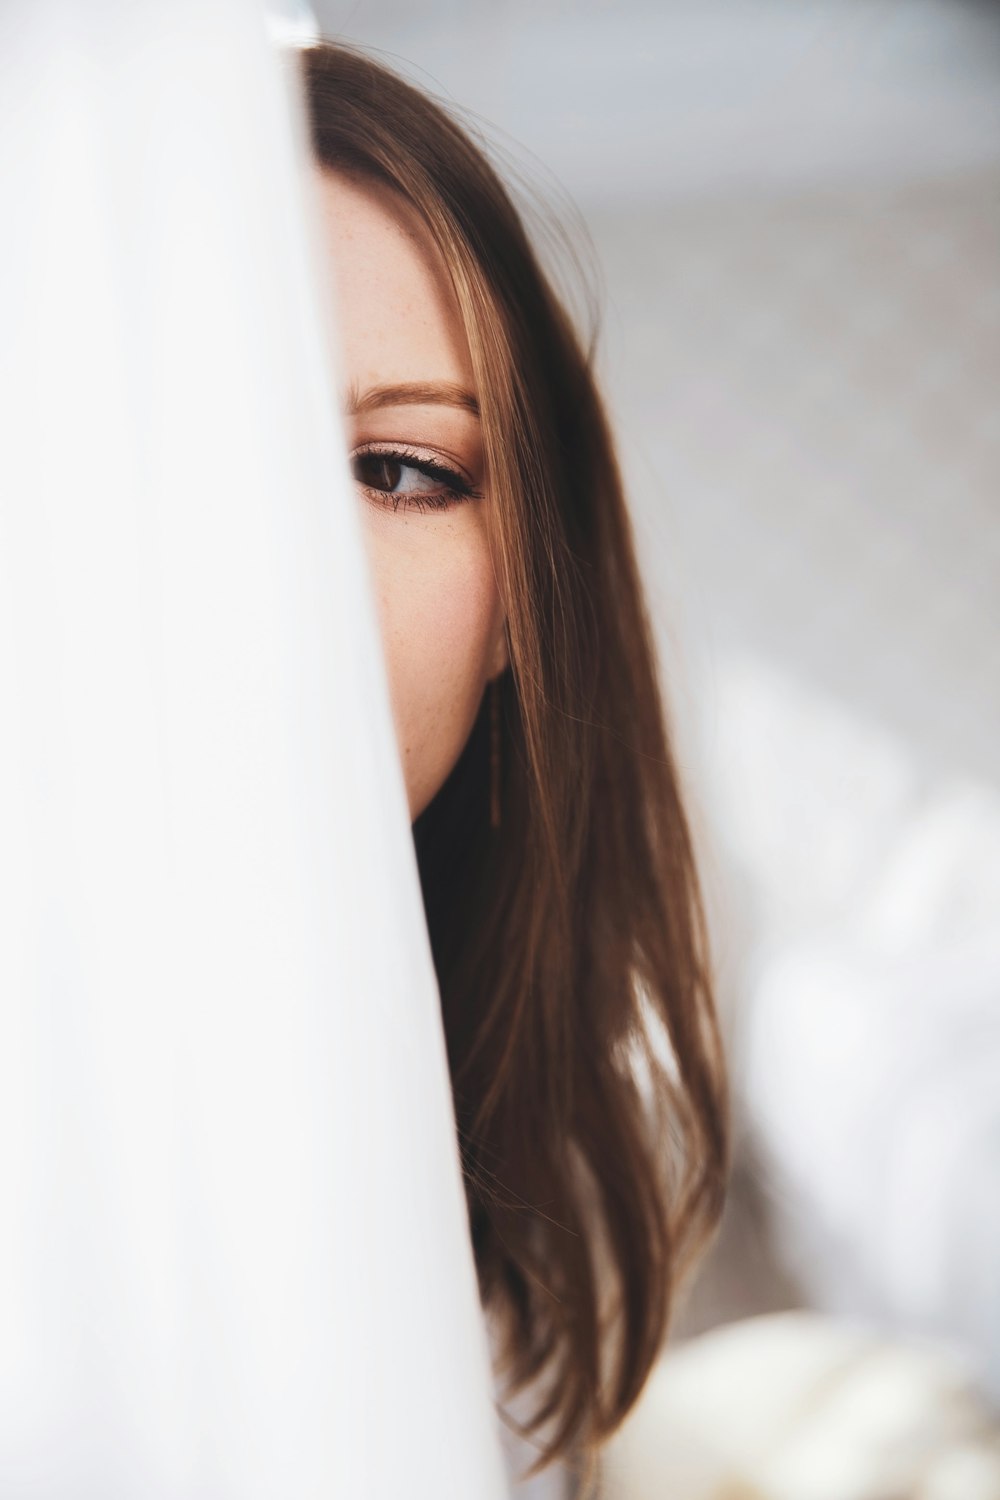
pixel 495 753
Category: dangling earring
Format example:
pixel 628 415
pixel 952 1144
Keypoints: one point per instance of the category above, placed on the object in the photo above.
pixel 495 753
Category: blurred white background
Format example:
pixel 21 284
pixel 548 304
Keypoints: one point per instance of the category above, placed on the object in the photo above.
pixel 795 205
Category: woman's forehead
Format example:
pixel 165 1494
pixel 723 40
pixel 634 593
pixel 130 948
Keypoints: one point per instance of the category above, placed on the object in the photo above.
pixel 399 321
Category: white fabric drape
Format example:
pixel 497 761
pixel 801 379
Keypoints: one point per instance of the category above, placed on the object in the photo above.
pixel 234 1259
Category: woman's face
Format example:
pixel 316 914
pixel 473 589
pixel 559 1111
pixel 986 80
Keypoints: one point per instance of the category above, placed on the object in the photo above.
pixel 416 452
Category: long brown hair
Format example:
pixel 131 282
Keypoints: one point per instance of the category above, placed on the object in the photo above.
pixel 571 936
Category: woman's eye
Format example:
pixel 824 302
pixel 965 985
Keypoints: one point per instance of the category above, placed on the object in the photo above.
pixel 409 482
pixel 390 474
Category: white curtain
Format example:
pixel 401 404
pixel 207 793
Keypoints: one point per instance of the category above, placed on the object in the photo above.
pixel 233 1252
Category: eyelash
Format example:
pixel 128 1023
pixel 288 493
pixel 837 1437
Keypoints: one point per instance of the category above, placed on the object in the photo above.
pixel 455 488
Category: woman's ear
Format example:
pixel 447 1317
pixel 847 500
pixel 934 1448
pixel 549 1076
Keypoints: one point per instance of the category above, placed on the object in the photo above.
pixel 501 652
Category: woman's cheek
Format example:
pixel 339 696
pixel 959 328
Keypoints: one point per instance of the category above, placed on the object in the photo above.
pixel 438 611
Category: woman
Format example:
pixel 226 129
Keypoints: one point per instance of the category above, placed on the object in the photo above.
pixel 554 854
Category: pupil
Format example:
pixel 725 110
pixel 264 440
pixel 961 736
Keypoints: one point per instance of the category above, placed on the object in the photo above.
pixel 378 473
pixel 387 473
pixel 391 473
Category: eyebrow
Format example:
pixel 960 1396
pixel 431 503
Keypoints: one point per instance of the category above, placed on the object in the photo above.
pixel 414 393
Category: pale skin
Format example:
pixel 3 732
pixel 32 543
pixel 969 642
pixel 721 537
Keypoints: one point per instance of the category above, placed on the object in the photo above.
pixel 410 415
